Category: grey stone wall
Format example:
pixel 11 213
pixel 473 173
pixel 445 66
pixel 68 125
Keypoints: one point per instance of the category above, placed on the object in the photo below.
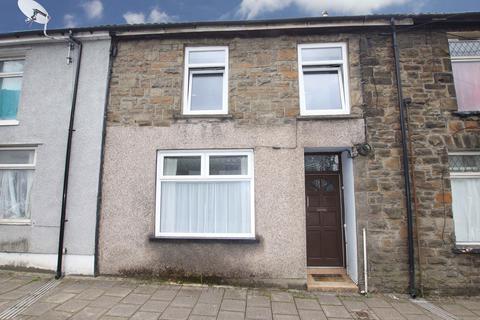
pixel 434 130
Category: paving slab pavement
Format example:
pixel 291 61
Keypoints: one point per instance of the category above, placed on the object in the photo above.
pixel 120 298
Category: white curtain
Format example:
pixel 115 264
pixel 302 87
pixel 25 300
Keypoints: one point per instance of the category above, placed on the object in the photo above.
pixel 466 209
pixel 15 186
pixel 205 207
pixel 467 85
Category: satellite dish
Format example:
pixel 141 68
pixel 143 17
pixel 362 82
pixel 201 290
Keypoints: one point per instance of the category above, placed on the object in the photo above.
pixel 34 11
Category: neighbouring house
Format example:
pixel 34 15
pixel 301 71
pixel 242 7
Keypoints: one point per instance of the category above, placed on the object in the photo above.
pixel 259 151
pixel 37 92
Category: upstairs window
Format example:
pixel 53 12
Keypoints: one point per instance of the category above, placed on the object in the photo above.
pixel 11 72
pixel 206 80
pixel 465 55
pixel 465 180
pixel 323 79
pixel 205 194
pixel 16 177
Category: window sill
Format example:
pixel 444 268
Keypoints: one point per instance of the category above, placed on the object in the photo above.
pixel 329 117
pixel 466 114
pixel 179 116
pixel 16 222
pixel 254 240
pixel 9 122
pixel 466 249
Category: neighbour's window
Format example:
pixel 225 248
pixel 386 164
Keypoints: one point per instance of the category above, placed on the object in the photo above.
pixel 465 180
pixel 16 177
pixel 11 72
pixel 206 80
pixel 205 194
pixel 323 79
pixel 465 55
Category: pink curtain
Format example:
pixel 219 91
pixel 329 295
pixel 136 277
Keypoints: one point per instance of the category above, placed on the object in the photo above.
pixel 467 84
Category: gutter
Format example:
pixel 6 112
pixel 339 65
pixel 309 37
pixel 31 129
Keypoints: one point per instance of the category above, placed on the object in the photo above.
pixel 411 19
pixel 228 27
pixel 406 167
pixel 73 42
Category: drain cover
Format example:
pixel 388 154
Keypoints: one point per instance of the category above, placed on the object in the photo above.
pixel 363 315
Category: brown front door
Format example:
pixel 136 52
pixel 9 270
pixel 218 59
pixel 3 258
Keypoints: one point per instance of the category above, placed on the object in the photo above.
pixel 324 220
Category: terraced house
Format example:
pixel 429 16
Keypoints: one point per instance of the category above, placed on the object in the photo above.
pixel 334 152
pixel 42 145
pixel 259 151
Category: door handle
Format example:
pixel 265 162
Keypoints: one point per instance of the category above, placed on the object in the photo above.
pixel 321 210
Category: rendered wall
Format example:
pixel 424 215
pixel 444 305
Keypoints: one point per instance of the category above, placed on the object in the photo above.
pixel 43 115
pixel 144 115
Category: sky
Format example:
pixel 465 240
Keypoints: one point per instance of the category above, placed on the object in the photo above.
pixel 82 13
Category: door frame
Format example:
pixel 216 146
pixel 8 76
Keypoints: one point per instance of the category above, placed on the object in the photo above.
pixel 342 206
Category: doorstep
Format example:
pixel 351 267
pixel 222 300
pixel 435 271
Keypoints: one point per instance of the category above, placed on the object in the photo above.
pixel 329 280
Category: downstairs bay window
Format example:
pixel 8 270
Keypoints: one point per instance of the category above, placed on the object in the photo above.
pixel 205 194
pixel 465 181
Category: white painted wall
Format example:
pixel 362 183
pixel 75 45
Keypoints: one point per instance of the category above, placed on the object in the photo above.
pixel 43 115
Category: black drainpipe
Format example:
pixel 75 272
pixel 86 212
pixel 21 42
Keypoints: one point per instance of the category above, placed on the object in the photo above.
pixel 72 40
pixel 406 169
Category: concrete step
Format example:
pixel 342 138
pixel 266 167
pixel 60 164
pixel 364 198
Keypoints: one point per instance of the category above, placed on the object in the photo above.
pixel 330 280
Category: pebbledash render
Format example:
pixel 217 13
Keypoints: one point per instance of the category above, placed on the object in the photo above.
pixel 259 152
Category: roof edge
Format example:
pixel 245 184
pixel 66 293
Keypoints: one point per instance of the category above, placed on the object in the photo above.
pixel 376 20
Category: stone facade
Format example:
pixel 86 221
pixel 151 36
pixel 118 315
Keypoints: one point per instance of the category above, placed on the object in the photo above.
pixel 147 80
pixel 144 112
pixel 434 131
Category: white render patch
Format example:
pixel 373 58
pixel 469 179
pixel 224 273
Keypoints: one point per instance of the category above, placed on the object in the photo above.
pixel 73 264
pixel 439 312
pixel 29 300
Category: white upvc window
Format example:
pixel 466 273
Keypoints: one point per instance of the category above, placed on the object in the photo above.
pixel 16 177
pixel 205 194
pixel 11 73
pixel 205 80
pixel 465 181
pixel 323 79
pixel 465 57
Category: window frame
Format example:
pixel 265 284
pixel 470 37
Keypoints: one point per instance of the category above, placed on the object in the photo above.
pixel 325 65
pixel 205 155
pixel 204 68
pixel 11 122
pixel 18 167
pixel 464 175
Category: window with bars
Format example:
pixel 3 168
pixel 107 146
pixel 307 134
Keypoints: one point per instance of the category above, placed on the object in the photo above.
pixel 465 55
pixel 465 181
